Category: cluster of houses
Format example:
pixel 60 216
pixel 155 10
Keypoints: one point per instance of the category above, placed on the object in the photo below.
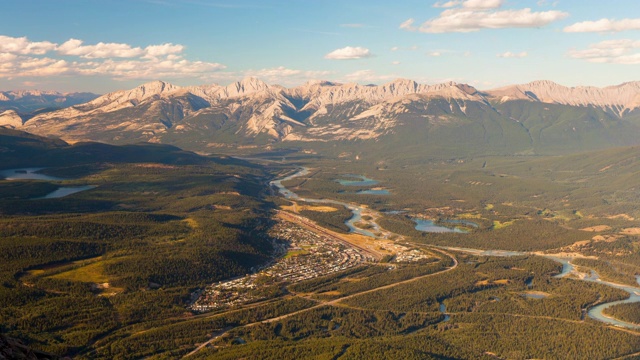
pixel 308 255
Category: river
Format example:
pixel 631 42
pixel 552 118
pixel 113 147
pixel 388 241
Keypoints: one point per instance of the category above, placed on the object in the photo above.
pixel 595 312
pixel 355 209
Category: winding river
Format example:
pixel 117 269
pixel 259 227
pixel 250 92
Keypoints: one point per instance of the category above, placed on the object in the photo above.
pixel 595 312
pixel 355 210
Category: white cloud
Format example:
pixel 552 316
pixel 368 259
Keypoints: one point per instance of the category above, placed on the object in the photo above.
pixel 623 51
pixel 7 57
pixel 277 72
pixel 395 62
pixel 349 53
pixel 604 25
pixel 510 54
pixel 19 58
pixel 163 50
pixel 408 25
pixel 395 48
pixel 469 20
pixel 147 69
pixel 24 46
pixel 16 66
pixel 482 4
pixel 317 74
pixel 447 4
pixel 474 15
pixel 434 53
pixel 361 75
pixel 99 50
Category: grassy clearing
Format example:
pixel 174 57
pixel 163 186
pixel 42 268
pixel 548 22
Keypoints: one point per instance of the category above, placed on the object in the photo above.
pixel 296 208
pixel 191 222
pixel 92 273
pixel 501 225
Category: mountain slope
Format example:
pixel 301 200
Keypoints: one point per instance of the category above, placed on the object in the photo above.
pixel 539 117
pixel 618 100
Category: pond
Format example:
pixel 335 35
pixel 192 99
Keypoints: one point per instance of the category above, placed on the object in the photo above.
pixel 429 226
pixel 373 192
pixel 33 174
pixel 66 191
pixel 26 174
pixel 357 180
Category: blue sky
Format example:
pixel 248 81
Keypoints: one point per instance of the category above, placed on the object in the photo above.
pixel 101 46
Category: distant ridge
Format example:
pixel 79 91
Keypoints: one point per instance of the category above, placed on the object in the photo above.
pixel 618 99
pixel 26 101
pixel 252 111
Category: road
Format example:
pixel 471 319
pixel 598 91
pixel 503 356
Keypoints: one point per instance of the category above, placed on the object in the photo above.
pixel 328 303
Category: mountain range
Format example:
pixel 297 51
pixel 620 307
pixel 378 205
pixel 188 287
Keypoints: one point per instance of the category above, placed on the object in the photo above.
pixel 535 118
pixel 28 103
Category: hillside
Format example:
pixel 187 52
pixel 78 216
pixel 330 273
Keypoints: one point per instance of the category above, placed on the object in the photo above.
pixel 151 224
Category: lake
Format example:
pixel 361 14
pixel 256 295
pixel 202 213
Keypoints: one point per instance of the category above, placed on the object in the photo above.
pixel 429 226
pixel 33 174
pixel 66 191
pixel 26 174
pixel 357 180
pixel 374 192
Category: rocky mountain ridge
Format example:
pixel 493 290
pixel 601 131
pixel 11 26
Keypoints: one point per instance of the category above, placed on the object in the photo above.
pixel 618 98
pixel 252 111
pixel 29 100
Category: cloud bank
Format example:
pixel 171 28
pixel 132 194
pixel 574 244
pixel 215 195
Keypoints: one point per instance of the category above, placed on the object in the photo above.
pixel 21 57
pixel 475 15
pixel 604 25
pixel 624 51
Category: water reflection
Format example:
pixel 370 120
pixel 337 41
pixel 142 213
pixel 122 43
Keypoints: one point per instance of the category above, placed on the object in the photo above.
pixel 26 174
pixel 33 174
pixel 66 191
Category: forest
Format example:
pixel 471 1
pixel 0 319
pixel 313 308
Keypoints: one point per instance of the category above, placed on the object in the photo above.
pixel 109 272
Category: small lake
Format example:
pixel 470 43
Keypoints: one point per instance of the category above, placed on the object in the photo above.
pixel 66 191
pixel 33 174
pixel 357 180
pixel 443 309
pixel 373 192
pixel 26 174
pixel 429 226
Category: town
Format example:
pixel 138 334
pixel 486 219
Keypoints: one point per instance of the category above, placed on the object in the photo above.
pixel 301 253
pixel 307 255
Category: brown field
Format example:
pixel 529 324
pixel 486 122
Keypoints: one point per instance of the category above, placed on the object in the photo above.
pixel 295 208
pixel 631 231
pixel 621 216
pixel 597 228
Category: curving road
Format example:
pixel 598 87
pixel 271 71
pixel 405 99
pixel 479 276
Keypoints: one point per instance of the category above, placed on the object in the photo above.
pixel 328 303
